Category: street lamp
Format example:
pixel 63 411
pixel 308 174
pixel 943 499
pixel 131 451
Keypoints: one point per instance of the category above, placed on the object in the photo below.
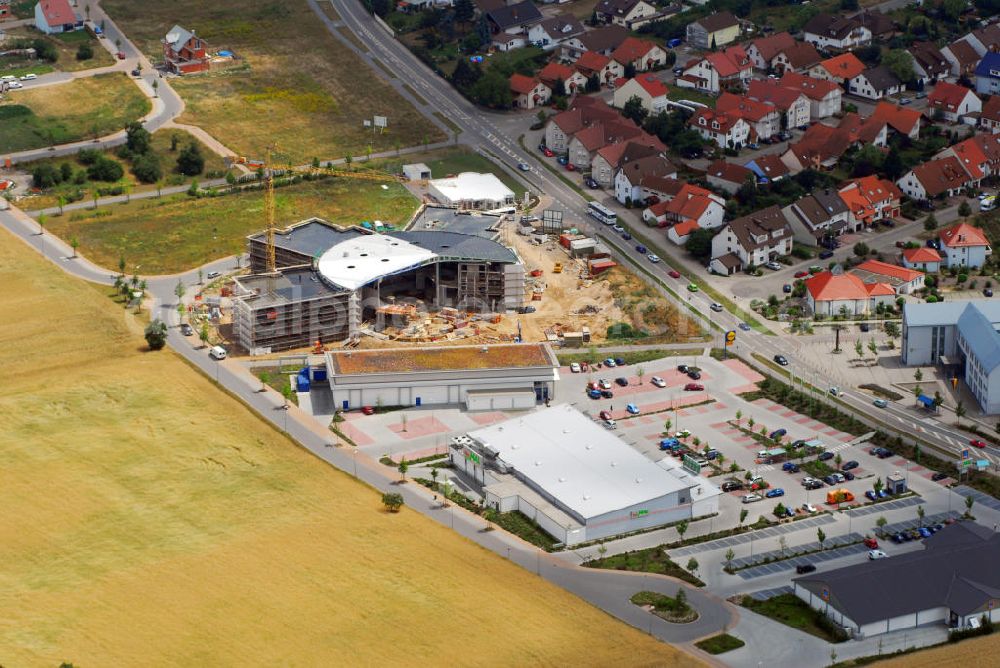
pixel 354 456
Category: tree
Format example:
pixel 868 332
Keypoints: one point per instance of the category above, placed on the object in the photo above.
pixel 403 468
pixel 74 243
pixel 137 138
pixel 820 536
pixel 861 249
pixel 62 203
pixel 85 51
pixel 839 460
pixel 968 505
pixel 392 501
pixel 692 566
pixel 751 422
pixel 203 334
pixel 190 162
pixel 105 169
pixel 849 5
pixel 147 169
pixel 918 375
pixel 880 523
pixel 640 372
pixel 465 75
pixel 953 9
pixel 892 165
pixel 920 515
pixel 682 528
pixel 201 276
pixel 783 543
pixel 930 223
pixel 743 513
pixel 45 176
pixel 739 416
pixel 434 476
pixel 465 11
pixel 156 334
pixel 900 63
pixel 699 243
pixel 264 378
pixel 634 110
pixel 892 329
pixel 667 425
pixel 873 347
pixel 729 557
pixel 964 210
pixel 593 83
pixel 156 88
pixel 877 485
pixel 859 348
pixel 42 218
pixel 960 410
pixel 492 90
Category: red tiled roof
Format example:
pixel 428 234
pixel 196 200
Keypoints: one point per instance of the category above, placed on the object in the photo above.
pixel 893 270
pixel 771 91
pixel 899 119
pixel 937 176
pixel 521 84
pixel 825 286
pixel 962 235
pixel 801 55
pixel 771 165
pixel 948 96
pixel 685 227
pixel 725 120
pixel 922 254
pixel 744 107
pixel 585 112
pixel 845 66
pixel 729 62
pixel 632 49
pixel 876 189
pixel 728 171
pixel 555 72
pixel 991 109
pixel 815 89
pixel 57 12
pixel 772 45
pixel 970 157
pixel 879 290
pixel 592 61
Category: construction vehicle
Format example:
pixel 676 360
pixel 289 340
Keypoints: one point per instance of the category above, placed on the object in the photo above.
pixel 557 269
pixel 839 496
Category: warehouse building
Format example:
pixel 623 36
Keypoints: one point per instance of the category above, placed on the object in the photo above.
pixel 496 377
pixel 577 479
pixel 954 581
pixel 470 190
pixel 332 279
pixel 962 337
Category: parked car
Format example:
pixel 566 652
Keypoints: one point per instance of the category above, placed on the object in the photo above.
pixel 773 266
pixel 871 495
pixel 711 454
pixel 750 498
pixel 632 409
pixel 610 362
pixel 217 353
pixel 591 183
pixel 786 288
pixel 731 485
pixel 849 465
pixel 563 160
pixel 694 375
pixel 622 381
pixel 801 274
pixel 607 394
pixel 548 152
pixel 987 292
pixel 570 167
pixel 848 475
pixel 939 476
pixel 367 410
pixel 825 254
pixel 610 424
pixel 693 387
pixel 778 433
pixel 791 467
pixel 574 367
pixel 659 382
pixel 594 394
pixel 871 542
pixel 781 359
pixel 809 508
pixel 813 484
pixel 805 568
pixel 187 330
pixel 619 361
pixel 604 415
pixel 774 493
pixel 825 456
pixel 683 368
pixel 604 383
pixel 30 76
pixel 669 444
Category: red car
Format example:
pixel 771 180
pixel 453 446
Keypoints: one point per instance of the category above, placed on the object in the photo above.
pixel 694 387
pixel 548 153
pixel 593 386
pixel 570 167
pixel 673 273
pixel 368 410
pixel 605 415
pixel 976 442
pixel 801 274
pixel 871 543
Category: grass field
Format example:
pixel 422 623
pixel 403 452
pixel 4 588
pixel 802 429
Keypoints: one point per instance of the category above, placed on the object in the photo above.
pixel 177 232
pixel 35 118
pixel 161 147
pixel 303 90
pixel 966 653
pixel 150 519
pixel 66 45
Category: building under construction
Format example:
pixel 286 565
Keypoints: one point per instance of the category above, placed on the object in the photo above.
pixel 333 282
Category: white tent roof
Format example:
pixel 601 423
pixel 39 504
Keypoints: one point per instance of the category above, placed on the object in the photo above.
pixel 578 462
pixel 361 260
pixel 470 186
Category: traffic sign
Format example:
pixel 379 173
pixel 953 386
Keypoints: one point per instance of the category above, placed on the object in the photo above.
pixel 730 337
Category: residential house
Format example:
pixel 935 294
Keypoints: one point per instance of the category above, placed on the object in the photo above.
pixel 628 179
pixel 56 16
pixel 840 33
pixel 818 216
pixel 824 96
pixel 922 258
pixel 800 57
pixel 902 280
pixel 662 188
pixel 984 40
pixel 881 26
pixel 713 31
pixel 600 40
pixel 727 130
pixel 728 176
pixel 988 74
pixel 870 200
pixel 509 24
pixel 768 168
pixel 763 117
pixel 875 83
pixel 729 69
pixel 839 69
pixel 989 117
pixel 184 52
pixel 765 49
pixel 819 148
pixel 860 131
pixel 5 12
pixel 691 203
pixel 552 32
pixel 929 64
pixel 952 102
pixel 592 63
pixel 791 102
pixel 962 58
pixel 610 158
pixel 529 92
pixel 751 241
pixel 641 54
pixel 585 112
pixel 829 294
pixel 649 89
pixel 555 74
pixel 902 120
pixel 941 177
pixel 632 14
pixel 585 143
pixel 964 246
pixel 979 156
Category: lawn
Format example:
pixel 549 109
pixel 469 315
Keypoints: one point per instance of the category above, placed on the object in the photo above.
pixel 792 611
pixel 630 357
pixel 677 94
pixel 174 233
pixel 34 118
pixel 719 644
pixel 650 560
pixel 66 45
pixel 301 89
pixel 151 519
pixel 162 140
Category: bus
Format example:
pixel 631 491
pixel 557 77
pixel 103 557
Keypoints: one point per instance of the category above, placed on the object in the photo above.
pixel 602 213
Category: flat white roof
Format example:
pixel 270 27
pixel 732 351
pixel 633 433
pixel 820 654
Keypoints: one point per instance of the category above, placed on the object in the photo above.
pixel 470 186
pixel 361 260
pixel 577 461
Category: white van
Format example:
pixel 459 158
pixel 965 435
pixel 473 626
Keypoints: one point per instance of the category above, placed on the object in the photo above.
pixel 217 353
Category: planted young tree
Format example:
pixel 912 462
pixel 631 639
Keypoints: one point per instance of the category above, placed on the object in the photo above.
pixel 156 334
pixel 838 459
pixel 392 501
pixel 203 334
pixel 692 566
pixel 968 505
pixel 667 425
pixel 682 528
pixel 859 349
pixel 739 417
pixel 264 378
pixel 730 555
pixel 880 523
pixel 750 423
pixel 873 348
pixel 403 468
pixel 74 243
pixel 960 411
pixel 878 486
pixel 743 514
pixel 820 536
pixel 920 515
pixel 640 372
pixel 62 203
pixel 964 210
pixel 783 544
pixel 42 219
pixel 434 477
pixel 918 375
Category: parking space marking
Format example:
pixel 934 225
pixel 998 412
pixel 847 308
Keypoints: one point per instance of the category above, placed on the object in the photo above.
pixel 980 497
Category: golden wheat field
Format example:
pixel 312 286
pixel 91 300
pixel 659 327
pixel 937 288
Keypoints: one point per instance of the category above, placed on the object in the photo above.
pixel 149 519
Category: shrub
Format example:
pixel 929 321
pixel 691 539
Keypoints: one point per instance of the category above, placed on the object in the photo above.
pixel 190 162
pixel 88 156
pixel 105 169
pixel 147 168
pixel 46 176
pixel 85 51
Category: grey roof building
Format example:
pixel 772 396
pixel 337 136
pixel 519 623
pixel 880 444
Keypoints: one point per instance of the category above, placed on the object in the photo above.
pixel 817 215
pixel 512 17
pixel 953 580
